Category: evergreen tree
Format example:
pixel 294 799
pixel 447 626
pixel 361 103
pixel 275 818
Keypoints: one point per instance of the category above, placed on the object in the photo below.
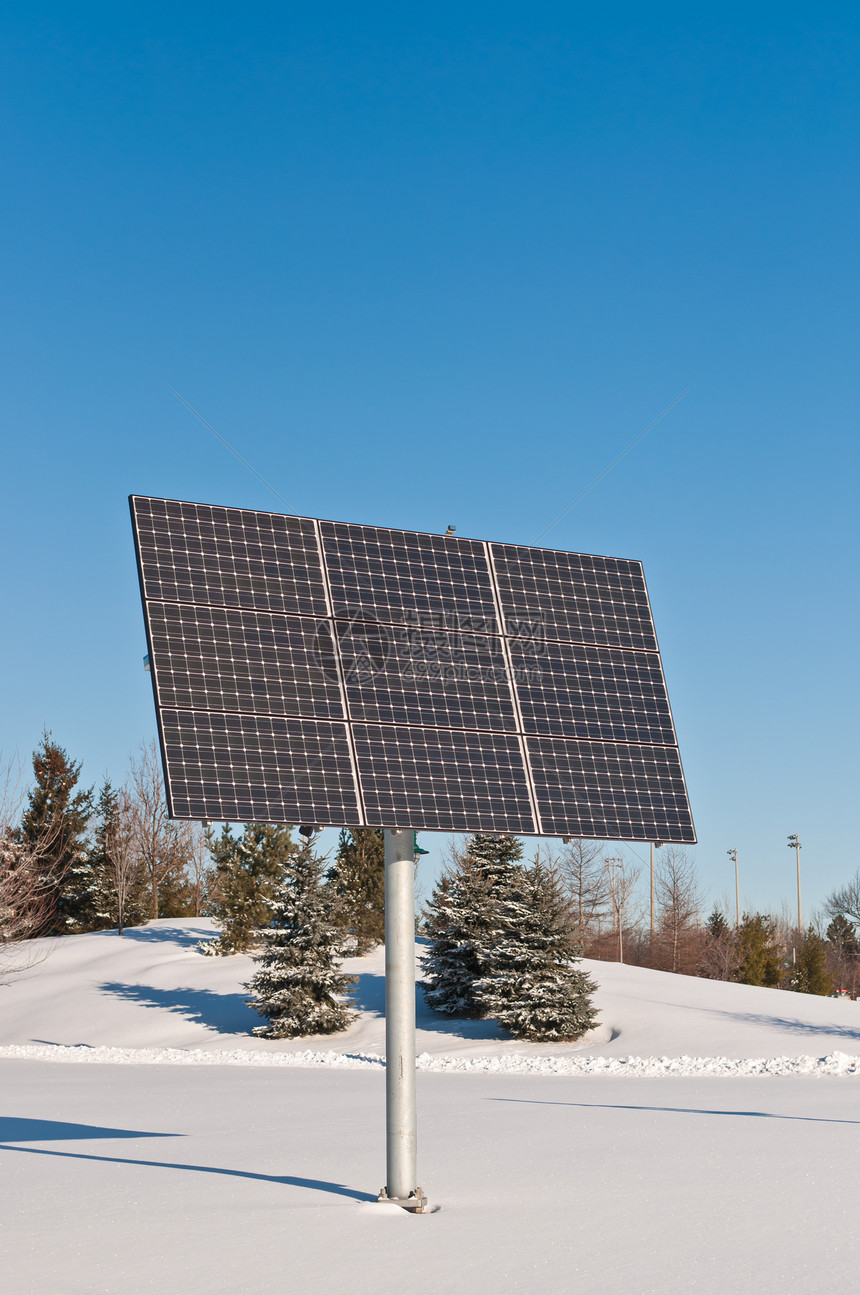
pixel 533 984
pixel 54 826
pixel 357 878
pixel 176 891
pixel 249 869
pixel 809 975
pixel 299 986
pixel 449 966
pixel 759 952
pixel 463 923
pixel 716 926
pixel 720 955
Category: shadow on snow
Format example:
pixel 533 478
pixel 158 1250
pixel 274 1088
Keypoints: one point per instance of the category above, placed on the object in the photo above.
pixel 224 1013
pixel 20 1129
pixel 281 1180
pixel 368 996
pixel 671 1110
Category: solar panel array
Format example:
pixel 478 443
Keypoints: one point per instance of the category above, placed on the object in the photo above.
pixel 312 671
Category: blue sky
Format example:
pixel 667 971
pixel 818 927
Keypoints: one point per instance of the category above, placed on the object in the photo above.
pixel 431 266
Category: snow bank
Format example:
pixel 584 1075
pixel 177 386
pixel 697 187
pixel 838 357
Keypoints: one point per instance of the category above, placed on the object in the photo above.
pixel 151 998
pixel 836 1063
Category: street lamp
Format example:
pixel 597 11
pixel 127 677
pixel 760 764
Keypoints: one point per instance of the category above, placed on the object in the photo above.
pixel 794 844
pixel 733 855
pixel 616 908
pixel 655 845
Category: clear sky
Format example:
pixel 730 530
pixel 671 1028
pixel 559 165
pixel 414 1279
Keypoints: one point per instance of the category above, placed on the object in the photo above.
pixel 430 265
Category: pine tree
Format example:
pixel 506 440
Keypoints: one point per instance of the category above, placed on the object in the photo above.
pixel 449 966
pixel 249 869
pixel 716 926
pixel 299 986
pixel 55 825
pixel 176 891
pixel 809 975
pixel 533 984
pixel 357 878
pixel 462 922
pixel 720 954
pixel 760 956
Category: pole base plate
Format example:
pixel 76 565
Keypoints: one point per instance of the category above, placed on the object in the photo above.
pixel 416 1201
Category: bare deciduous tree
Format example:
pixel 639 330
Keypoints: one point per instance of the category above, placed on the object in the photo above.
pixel 586 885
pixel 845 901
pixel 122 853
pixel 200 868
pixel 27 891
pixel 679 936
pixel 164 846
pixel 622 877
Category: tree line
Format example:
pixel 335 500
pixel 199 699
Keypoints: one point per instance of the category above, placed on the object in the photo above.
pixel 612 923
pixel 78 859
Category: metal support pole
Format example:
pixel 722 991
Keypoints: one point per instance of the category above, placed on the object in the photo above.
pixel 400 1109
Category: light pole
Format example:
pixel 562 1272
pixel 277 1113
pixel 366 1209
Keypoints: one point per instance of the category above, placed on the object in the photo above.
pixel 655 845
pixel 794 844
pixel 733 855
pixel 616 907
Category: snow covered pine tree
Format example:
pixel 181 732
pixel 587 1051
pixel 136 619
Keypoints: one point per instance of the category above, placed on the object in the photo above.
pixel 299 985
pixel 461 922
pixel 501 946
pixel 533 984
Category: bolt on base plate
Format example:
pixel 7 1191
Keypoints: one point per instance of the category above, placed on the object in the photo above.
pixel 416 1201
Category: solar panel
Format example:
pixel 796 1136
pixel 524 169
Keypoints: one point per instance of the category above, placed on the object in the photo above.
pixel 573 597
pixel 610 791
pixel 403 577
pixel 397 674
pixel 250 768
pixel 349 675
pixel 608 694
pixel 220 659
pixel 445 779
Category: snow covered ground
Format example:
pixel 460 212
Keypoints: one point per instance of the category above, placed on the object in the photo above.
pixel 615 1165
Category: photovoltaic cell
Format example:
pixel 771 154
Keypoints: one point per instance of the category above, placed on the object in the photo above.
pixel 349 675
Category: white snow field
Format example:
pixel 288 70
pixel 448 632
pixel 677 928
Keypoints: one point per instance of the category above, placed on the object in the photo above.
pixel 704 1138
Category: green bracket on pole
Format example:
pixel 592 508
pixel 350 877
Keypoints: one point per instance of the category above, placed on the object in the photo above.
pixel 416 848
